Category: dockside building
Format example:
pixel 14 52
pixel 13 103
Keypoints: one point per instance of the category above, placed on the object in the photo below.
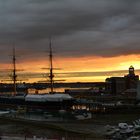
pixel 118 85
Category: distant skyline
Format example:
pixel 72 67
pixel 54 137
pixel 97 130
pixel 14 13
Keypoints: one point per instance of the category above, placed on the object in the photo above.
pixel 87 36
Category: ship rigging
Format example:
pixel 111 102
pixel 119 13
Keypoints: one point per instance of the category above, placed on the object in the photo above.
pixel 51 76
pixel 14 76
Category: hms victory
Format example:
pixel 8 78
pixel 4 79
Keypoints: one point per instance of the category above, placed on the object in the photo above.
pixel 51 101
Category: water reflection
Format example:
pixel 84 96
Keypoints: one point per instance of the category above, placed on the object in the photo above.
pixel 32 91
pixel 60 89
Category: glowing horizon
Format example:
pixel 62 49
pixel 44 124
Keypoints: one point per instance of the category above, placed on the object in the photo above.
pixel 82 69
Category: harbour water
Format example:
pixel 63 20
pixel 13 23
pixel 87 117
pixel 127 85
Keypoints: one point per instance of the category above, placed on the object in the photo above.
pixel 32 91
pixel 10 137
pixel 18 131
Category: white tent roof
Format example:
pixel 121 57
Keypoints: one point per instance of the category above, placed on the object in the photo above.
pixel 47 97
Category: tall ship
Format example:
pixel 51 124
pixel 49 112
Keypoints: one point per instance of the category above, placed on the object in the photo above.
pixel 51 101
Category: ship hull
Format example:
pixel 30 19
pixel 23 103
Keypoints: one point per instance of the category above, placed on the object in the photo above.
pixel 9 103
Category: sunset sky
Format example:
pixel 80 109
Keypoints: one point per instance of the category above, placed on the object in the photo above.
pixel 91 39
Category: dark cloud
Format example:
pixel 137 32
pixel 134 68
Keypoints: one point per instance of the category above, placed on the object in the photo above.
pixel 93 27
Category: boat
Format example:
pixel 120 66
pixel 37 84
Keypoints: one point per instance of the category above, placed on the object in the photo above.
pixel 134 138
pixel 51 101
pixel 3 113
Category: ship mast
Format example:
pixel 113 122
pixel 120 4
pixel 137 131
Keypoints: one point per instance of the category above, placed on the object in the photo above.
pixel 51 76
pixel 14 76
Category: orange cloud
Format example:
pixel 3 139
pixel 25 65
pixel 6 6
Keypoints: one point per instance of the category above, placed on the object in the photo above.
pixel 81 64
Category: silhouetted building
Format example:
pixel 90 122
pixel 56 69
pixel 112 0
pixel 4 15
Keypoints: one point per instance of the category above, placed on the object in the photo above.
pixel 131 79
pixel 115 85
pixel 118 85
